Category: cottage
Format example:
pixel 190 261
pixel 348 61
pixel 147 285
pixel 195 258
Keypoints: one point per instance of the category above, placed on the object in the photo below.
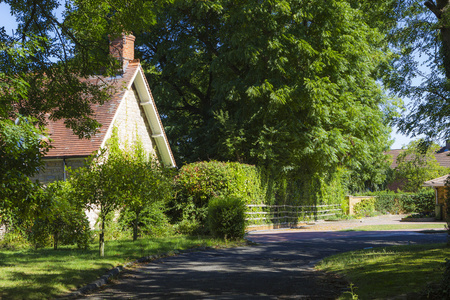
pixel 441 193
pixel 131 109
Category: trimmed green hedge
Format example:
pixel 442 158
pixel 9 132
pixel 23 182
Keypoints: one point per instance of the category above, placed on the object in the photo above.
pixel 197 183
pixel 396 203
pixel 226 217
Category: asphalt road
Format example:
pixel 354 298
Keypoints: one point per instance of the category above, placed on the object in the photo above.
pixel 279 267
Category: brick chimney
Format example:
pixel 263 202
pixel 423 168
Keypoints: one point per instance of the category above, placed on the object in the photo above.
pixel 122 48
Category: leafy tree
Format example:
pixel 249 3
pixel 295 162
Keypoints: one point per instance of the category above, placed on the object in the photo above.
pixel 97 188
pixel 286 84
pixel 142 180
pixel 41 78
pixel 115 178
pixel 417 164
pixel 20 153
pixel 61 216
pixel 48 68
pixel 421 70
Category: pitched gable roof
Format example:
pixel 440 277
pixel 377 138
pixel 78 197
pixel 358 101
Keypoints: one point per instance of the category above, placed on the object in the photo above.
pixel 66 144
pixel 442 157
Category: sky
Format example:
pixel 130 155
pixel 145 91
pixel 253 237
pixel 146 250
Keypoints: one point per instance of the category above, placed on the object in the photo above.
pixel 9 23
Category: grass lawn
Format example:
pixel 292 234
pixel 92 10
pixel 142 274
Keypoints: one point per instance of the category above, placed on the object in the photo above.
pixel 396 227
pixel 387 272
pixel 46 273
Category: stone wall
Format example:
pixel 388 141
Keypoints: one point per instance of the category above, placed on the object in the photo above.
pixel 132 124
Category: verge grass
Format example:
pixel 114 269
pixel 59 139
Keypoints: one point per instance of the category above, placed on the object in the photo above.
pixel 388 272
pixel 396 227
pixel 46 273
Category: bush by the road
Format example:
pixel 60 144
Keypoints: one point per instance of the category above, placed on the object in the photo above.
pixel 226 217
pixel 197 183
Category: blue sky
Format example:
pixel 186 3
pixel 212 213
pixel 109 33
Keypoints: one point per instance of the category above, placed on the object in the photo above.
pixel 9 23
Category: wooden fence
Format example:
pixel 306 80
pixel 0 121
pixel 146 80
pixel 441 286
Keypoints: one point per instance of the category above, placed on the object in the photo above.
pixel 261 214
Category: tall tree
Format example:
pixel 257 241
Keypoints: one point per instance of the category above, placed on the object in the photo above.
pixel 421 70
pixel 290 84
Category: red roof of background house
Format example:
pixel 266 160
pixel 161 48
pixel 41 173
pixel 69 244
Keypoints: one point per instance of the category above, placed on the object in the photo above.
pixel 441 156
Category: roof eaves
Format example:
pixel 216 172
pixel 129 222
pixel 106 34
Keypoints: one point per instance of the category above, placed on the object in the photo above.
pixel 158 132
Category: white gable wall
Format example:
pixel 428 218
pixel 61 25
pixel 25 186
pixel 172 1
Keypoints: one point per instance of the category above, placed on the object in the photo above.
pixel 132 123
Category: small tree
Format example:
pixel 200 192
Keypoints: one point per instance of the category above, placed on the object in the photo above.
pixel 96 184
pixel 61 217
pixel 417 164
pixel 145 182
pixel 118 177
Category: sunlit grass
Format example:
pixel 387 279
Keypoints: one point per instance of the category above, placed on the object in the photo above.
pixel 387 272
pixel 396 227
pixel 46 273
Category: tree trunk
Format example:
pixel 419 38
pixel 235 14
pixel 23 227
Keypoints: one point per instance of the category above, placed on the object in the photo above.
pixel 55 240
pixel 439 9
pixel 445 36
pixel 135 227
pixel 102 239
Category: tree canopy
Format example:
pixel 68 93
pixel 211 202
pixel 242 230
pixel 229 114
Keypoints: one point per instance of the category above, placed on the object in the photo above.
pixel 421 69
pixel 417 164
pixel 289 84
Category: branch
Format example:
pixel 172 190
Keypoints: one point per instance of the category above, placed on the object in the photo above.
pixel 433 8
pixel 27 24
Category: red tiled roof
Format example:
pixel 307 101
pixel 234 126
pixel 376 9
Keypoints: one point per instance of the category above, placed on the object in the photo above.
pixel 66 144
pixel 441 156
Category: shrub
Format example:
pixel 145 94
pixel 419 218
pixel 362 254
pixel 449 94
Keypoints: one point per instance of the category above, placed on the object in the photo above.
pixel 152 220
pixel 387 202
pixel 60 217
pixel 395 203
pixel 226 217
pixel 365 208
pixel 197 183
pixel 424 201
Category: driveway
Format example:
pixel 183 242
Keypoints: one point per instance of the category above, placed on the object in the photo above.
pixel 279 267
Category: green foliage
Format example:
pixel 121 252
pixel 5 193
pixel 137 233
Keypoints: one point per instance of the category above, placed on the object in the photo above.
pixel 15 236
pixel 61 217
pixel 389 202
pixel 417 164
pixel 121 177
pixel 21 150
pixel 424 201
pixel 422 30
pixel 226 217
pixel 286 84
pixel 142 181
pixel 396 203
pixel 98 186
pixel 44 70
pixel 197 183
pixel 152 220
pixel 365 208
